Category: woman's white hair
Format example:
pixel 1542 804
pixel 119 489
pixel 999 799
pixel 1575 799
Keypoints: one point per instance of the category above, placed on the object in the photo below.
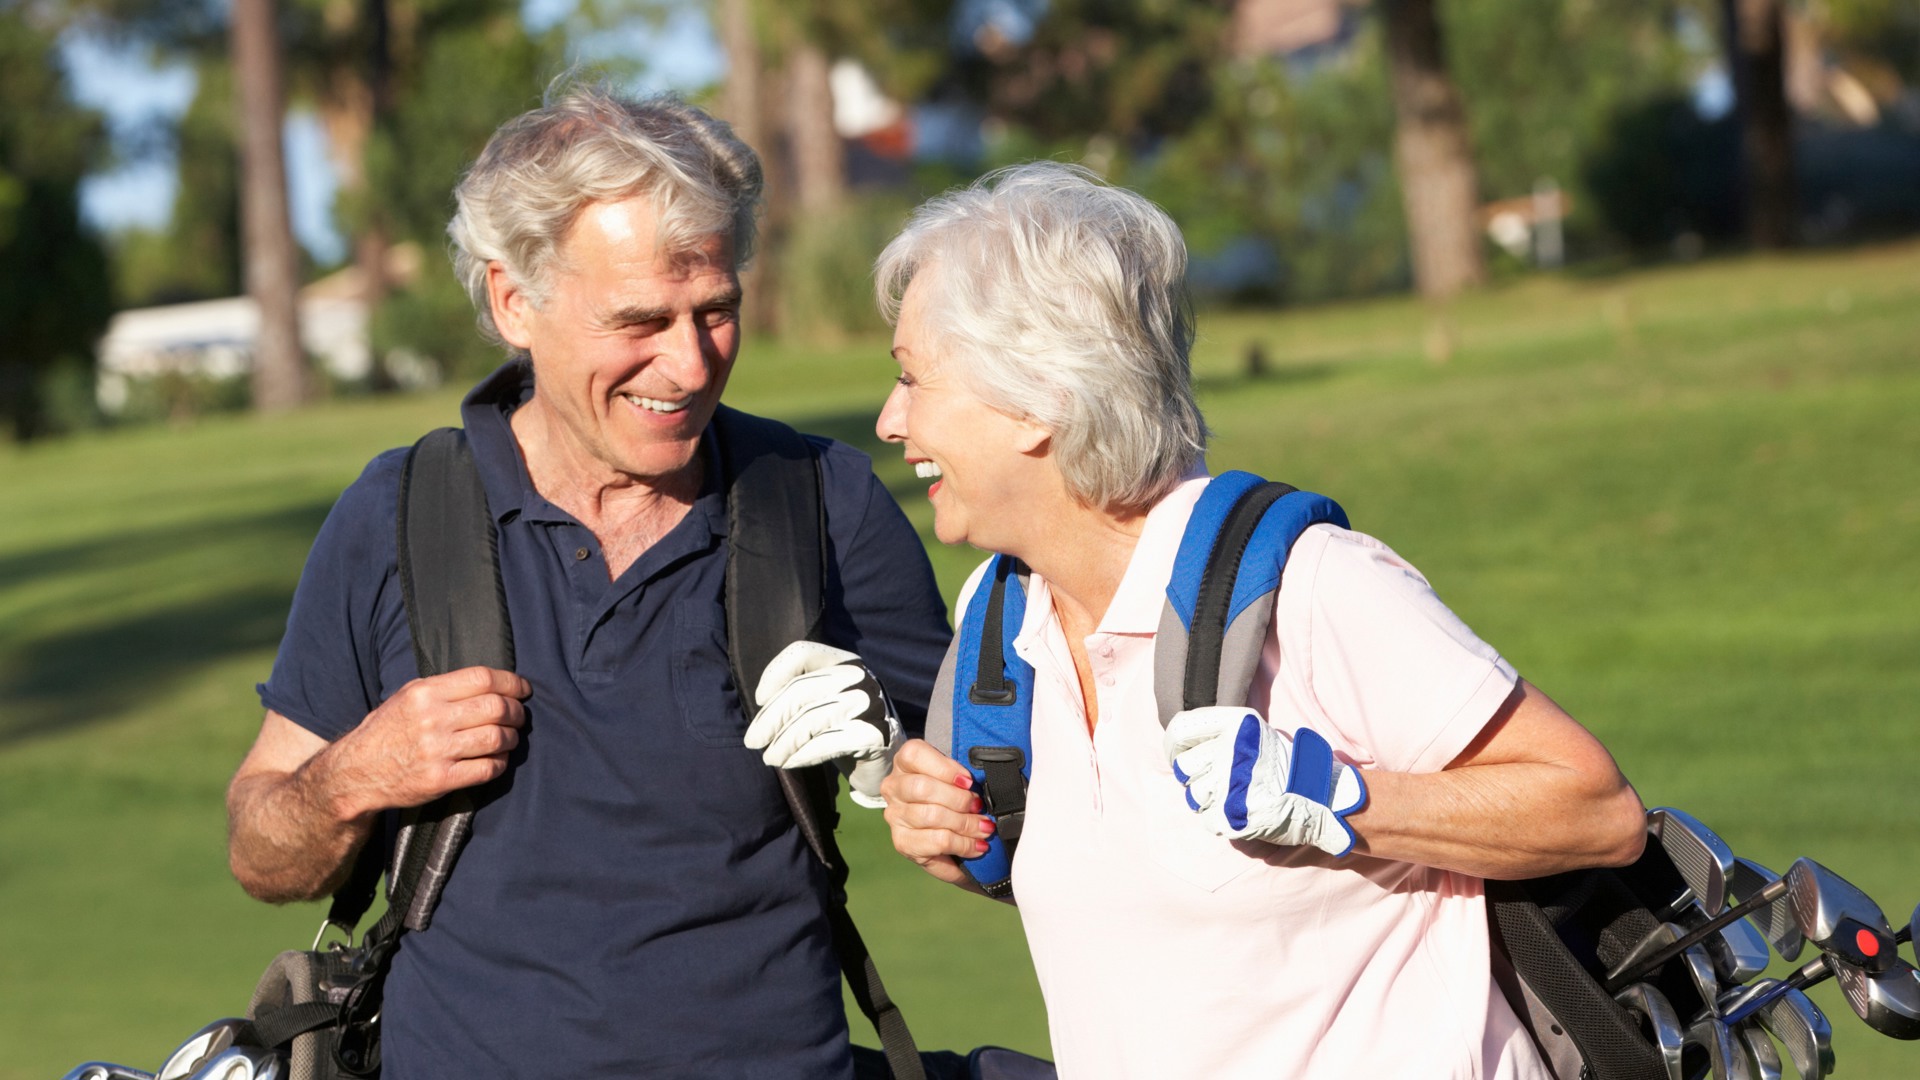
pixel 589 144
pixel 1063 300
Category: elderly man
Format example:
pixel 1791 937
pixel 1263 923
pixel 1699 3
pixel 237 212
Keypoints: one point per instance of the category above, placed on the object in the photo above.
pixel 638 901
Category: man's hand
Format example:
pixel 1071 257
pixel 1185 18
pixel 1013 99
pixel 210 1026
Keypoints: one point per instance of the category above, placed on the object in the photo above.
pixel 436 735
pixel 821 704
pixel 1250 783
pixel 933 812
pixel 300 807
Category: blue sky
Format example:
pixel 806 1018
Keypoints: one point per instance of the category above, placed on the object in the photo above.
pixel 134 92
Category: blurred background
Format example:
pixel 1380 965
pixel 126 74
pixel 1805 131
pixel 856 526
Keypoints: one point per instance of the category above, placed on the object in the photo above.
pixel 1606 313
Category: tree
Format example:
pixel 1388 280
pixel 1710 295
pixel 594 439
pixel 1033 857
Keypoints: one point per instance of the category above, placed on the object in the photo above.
pixel 1439 183
pixel 54 289
pixel 1756 54
pixel 280 376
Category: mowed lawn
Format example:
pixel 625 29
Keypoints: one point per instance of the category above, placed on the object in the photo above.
pixel 1685 502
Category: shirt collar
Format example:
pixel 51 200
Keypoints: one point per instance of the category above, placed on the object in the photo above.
pixel 487 413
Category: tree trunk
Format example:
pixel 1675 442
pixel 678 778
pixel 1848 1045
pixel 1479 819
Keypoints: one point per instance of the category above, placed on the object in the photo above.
pixel 819 162
pixel 1756 53
pixel 744 103
pixel 280 377
pixel 1438 181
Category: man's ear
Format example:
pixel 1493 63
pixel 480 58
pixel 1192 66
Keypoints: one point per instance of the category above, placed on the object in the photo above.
pixel 510 306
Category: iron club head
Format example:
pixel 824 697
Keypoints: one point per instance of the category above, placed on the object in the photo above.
pixel 200 1048
pixel 1659 1021
pixel 1775 920
pixel 1762 1058
pixel 1704 861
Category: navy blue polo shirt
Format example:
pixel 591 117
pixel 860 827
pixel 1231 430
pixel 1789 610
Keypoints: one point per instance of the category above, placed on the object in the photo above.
pixel 638 902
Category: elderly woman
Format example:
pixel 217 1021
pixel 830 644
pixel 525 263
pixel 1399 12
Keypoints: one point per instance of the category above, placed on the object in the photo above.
pixel 1042 334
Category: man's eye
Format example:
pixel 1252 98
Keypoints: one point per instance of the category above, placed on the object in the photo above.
pixel 721 316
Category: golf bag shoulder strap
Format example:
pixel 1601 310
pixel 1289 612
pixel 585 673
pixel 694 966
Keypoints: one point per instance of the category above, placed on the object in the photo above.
pixel 775 595
pixel 1220 599
pixel 446 548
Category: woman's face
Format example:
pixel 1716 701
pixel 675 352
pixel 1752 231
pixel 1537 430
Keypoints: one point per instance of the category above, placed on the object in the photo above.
pixel 981 460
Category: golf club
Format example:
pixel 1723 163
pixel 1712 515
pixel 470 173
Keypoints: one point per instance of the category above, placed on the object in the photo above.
pixel 1889 1001
pixel 1661 1023
pixel 1697 852
pixel 1763 1058
pixel 1834 915
pixel 1789 1016
pixel 101 1070
pixel 240 1063
pixel 1708 1043
pixel 1774 921
pixel 200 1047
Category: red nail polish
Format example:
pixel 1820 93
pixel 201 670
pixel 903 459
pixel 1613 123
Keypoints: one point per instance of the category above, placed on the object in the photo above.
pixel 964 781
pixel 987 824
pixel 980 846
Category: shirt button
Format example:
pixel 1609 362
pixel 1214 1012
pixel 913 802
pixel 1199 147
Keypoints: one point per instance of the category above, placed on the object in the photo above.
pixel 1106 678
pixel 580 554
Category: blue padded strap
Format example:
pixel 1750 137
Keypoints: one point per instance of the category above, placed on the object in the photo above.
pixel 1196 544
pixel 1000 718
pixel 1266 555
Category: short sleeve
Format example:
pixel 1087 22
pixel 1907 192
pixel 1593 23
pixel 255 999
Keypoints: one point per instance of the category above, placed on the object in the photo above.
pixel 1398 676
pixel 346 646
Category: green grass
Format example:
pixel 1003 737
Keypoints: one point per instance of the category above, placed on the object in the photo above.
pixel 1686 502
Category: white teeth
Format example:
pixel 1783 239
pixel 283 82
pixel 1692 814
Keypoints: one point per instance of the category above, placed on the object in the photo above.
pixel 656 405
pixel 925 470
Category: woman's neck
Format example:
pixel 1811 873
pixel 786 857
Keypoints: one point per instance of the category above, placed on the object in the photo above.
pixel 1083 553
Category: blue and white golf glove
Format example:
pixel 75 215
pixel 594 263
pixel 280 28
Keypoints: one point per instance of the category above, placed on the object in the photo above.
pixel 822 704
pixel 1252 783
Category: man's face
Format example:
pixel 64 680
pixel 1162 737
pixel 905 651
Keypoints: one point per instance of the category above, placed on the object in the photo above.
pixel 632 347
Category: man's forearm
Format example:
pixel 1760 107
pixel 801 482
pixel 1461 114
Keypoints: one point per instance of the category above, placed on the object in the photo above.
pixel 287 837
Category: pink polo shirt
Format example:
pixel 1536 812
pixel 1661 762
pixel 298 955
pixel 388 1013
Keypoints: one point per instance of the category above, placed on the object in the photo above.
pixel 1164 951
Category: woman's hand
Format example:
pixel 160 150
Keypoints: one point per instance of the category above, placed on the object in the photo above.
pixel 933 812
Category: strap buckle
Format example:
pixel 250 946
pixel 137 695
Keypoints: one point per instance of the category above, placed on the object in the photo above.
pixel 1004 790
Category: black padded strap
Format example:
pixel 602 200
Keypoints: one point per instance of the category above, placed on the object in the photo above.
pixel 1207 636
pixel 775 595
pixel 990 685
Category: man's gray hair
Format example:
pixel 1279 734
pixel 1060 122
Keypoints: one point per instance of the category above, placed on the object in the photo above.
pixel 1063 300
pixel 586 144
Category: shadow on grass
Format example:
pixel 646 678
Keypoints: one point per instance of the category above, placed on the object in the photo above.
pixel 63 681
pixel 132 548
pixel 1279 375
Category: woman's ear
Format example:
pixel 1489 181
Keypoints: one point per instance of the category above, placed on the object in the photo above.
pixel 1030 438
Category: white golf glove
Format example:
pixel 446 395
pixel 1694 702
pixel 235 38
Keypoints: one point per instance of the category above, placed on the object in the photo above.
pixel 822 704
pixel 1252 783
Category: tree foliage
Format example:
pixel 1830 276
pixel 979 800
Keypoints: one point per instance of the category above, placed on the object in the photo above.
pixel 54 288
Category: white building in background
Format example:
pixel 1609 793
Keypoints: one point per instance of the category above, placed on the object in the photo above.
pixel 214 338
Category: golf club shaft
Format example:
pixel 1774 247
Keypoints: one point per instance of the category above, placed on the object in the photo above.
pixel 1774 891
pixel 1817 970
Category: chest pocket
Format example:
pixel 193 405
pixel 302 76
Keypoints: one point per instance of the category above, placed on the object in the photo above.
pixel 703 687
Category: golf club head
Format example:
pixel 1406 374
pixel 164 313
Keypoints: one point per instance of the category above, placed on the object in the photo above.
pixel 1838 919
pixel 1708 1049
pixel 239 1063
pixel 1738 952
pixel 1659 1021
pixel 1889 1001
pixel 101 1070
pixel 1701 975
pixel 200 1047
pixel 1775 921
pixel 1803 1031
pixel 1762 1057
pixel 1704 861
